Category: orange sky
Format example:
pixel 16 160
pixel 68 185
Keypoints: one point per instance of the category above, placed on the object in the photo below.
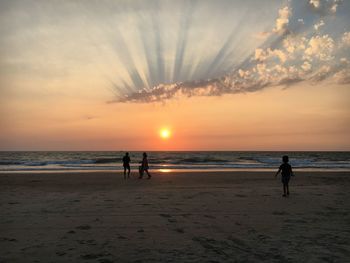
pixel 88 76
pixel 300 118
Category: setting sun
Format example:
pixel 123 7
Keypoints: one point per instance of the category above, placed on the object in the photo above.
pixel 165 133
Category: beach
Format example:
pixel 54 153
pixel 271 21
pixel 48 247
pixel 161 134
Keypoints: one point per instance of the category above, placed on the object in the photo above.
pixel 174 217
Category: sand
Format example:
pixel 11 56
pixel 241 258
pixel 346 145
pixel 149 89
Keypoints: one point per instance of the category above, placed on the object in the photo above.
pixel 174 217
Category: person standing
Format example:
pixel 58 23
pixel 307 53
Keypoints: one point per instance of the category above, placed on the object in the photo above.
pixel 286 172
pixel 126 164
pixel 144 167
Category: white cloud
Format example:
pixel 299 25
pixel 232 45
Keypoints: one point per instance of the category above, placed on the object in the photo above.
pixel 306 66
pixel 319 24
pixel 260 54
pixel 293 56
pixel 294 43
pixel 263 55
pixel 315 3
pixel 283 20
pixel 244 74
pixel 334 8
pixel 320 47
pixel 325 7
pixel 346 39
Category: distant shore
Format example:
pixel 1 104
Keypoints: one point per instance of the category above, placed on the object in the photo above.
pixel 174 217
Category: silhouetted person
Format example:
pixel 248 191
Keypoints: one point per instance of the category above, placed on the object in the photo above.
pixel 144 167
pixel 286 171
pixel 126 164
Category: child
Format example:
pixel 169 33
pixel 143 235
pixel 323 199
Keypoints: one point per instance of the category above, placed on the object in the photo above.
pixel 287 172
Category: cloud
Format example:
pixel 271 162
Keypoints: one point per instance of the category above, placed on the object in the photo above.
pixel 346 39
pixel 306 66
pixel 263 55
pixel 315 3
pixel 282 21
pixel 294 44
pixel 319 24
pixel 286 58
pixel 320 47
pixel 324 7
pixel 343 76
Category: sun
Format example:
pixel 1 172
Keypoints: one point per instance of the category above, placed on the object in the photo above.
pixel 164 133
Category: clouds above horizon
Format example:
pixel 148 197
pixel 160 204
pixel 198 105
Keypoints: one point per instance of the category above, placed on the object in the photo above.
pixel 311 48
pixel 149 51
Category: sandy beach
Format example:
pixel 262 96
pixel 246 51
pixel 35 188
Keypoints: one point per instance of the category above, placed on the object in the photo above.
pixel 174 217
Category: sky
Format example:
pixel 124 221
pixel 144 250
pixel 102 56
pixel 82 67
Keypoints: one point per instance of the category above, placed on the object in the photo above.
pixel 219 75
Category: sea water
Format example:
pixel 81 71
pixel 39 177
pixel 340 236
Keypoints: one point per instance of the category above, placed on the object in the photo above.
pixel 172 161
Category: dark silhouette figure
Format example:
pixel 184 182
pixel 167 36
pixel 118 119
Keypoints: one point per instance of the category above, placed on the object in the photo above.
pixel 126 164
pixel 286 172
pixel 144 167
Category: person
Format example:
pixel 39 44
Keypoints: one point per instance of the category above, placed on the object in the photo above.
pixel 126 164
pixel 286 172
pixel 144 167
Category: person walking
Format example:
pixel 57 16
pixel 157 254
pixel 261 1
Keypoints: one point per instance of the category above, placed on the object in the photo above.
pixel 144 167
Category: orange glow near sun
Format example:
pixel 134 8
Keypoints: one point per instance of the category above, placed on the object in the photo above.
pixel 164 134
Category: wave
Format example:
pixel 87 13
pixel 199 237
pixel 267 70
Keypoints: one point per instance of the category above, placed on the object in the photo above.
pixel 9 163
pixel 107 160
pixel 200 160
pixel 171 160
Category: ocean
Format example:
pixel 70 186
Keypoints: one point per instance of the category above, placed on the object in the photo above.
pixel 164 161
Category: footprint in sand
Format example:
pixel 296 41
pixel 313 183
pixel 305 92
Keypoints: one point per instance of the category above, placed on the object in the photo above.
pixel 210 216
pixel 279 213
pixel 170 220
pixel 165 215
pixel 95 256
pixel 186 215
pixel 91 242
pixel 9 239
pixel 179 230
pixel 83 227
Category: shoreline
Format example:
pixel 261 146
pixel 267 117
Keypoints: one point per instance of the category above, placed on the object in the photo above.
pixel 165 170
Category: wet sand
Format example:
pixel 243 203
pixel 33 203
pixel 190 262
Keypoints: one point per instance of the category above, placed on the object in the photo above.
pixel 174 217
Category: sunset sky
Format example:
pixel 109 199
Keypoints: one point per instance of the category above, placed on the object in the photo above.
pixel 219 75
